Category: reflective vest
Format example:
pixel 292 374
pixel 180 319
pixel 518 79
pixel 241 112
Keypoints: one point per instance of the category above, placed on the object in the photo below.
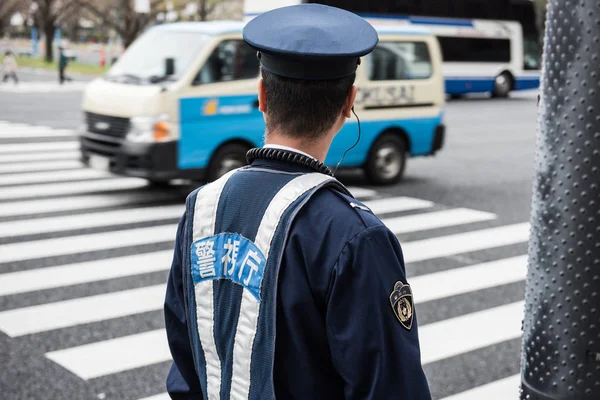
pixel 235 238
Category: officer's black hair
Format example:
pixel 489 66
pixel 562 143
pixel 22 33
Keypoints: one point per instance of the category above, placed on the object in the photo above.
pixel 304 109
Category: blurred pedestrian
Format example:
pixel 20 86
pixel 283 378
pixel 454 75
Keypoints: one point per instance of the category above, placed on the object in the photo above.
pixel 63 61
pixel 9 66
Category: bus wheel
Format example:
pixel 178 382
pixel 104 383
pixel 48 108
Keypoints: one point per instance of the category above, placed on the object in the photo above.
pixel 228 157
pixel 386 159
pixel 502 85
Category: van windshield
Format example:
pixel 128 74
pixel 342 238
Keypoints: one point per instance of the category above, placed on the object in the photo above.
pixel 144 60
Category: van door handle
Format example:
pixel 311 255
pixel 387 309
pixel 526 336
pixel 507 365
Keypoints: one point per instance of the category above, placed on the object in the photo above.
pixel 255 103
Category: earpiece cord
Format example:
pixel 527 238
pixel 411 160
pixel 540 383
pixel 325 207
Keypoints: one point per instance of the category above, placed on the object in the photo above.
pixel 351 147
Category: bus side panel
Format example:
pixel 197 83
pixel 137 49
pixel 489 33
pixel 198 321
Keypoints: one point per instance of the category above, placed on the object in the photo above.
pixel 420 132
pixel 208 122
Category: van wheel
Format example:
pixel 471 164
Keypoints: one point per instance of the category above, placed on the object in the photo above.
pixel 225 159
pixel 386 159
pixel 502 85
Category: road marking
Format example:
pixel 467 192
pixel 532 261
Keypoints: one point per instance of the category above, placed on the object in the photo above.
pixel 436 219
pixel 93 220
pixel 41 147
pixel 85 202
pixel 162 396
pixel 13 132
pixel 52 176
pixel 58 155
pixel 116 355
pixel 68 188
pixel 468 279
pixel 84 310
pixel 438 341
pixel 444 246
pixel 469 332
pixel 397 204
pixel 44 87
pixel 359 192
pixel 502 389
pixel 85 243
pixel 89 271
pixel 40 166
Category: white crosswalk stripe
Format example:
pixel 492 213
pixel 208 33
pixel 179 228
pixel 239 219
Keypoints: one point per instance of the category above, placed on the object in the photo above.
pixel 94 220
pixel 33 147
pixel 85 243
pixel 35 157
pixel 68 188
pixel 469 332
pixel 53 176
pixel 91 271
pixel 39 166
pixel 43 87
pixel 37 180
pixel 502 389
pixel 115 355
pixel 26 132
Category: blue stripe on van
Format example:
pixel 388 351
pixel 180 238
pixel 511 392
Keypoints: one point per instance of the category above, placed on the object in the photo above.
pixel 207 123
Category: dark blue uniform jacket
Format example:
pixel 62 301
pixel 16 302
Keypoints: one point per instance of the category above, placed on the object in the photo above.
pixel 337 335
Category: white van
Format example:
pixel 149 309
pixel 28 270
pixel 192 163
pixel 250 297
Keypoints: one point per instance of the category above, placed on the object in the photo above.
pixel 182 103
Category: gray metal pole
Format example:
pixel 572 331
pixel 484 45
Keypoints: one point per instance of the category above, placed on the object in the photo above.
pixel 561 330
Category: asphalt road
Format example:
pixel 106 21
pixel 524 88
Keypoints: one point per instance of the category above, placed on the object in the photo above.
pixel 461 217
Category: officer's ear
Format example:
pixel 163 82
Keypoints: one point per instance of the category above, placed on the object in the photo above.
pixel 262 96
pixel 347 110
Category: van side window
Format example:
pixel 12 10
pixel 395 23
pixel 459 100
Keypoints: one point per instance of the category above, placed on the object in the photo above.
pixel 399 61
pixel 231 60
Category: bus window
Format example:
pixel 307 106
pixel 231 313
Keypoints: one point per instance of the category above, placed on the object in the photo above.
pixel 465 49
pixel 399 61
pixel 230 61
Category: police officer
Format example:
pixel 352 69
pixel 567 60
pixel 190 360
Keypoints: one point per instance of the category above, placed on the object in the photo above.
pixel 282 284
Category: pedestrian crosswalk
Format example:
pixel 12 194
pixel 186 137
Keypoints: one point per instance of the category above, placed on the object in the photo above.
pixel 121 232
pixel 43 87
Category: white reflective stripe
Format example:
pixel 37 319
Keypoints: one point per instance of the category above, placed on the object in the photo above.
pixel 40 166
pixel 55 155
pixel 91 271
pixel 249 308
pixel 42 147
pixel 469 332
pixel 450 245
pixel 115 355
pixel 502 389
pixel 83 310
pixel 468 279
pixel 52 176
pixel 205 215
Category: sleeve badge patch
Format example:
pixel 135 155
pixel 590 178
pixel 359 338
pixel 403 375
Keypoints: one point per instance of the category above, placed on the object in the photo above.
pixel 401 300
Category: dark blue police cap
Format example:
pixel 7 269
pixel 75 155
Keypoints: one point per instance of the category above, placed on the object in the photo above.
pixel 310 41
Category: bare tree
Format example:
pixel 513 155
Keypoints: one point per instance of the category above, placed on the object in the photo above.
pixel 7 9
pixel 205 8
pixel 49 14
pixel 121 15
